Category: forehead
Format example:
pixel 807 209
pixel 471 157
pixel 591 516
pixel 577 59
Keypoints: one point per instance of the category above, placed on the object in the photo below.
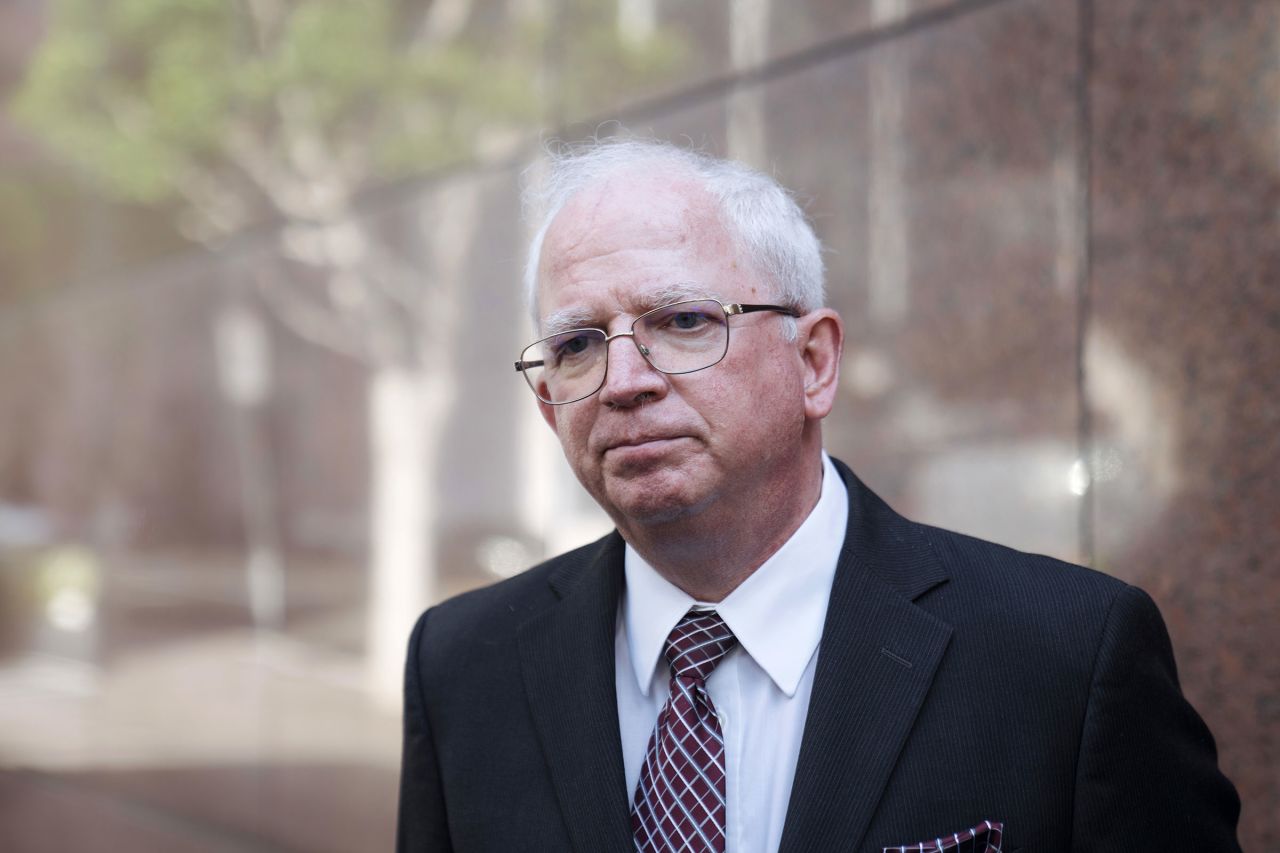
pixel 631 239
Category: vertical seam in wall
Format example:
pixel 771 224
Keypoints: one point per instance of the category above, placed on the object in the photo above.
pixel 1084 274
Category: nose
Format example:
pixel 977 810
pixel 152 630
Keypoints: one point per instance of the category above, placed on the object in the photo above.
pixel 629 379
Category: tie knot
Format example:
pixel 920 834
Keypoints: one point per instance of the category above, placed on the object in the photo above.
pixel 697 644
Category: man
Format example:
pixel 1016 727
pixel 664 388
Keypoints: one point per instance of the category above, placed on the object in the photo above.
pixel 764 655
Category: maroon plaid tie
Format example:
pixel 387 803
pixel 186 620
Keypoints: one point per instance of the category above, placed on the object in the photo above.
pixel 680 801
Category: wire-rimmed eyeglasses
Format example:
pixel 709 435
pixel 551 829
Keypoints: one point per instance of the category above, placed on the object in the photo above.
pixel 682 337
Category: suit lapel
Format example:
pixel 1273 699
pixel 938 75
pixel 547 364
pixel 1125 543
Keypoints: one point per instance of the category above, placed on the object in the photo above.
pixel 876 661
pixel 567 658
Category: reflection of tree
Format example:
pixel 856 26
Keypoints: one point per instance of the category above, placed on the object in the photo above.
pixel 604 52
pixel 283 110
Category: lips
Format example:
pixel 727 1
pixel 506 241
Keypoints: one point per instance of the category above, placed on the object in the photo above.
pixel 639 441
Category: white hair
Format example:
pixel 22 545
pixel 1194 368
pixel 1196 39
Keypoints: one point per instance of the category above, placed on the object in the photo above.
pixel 763 220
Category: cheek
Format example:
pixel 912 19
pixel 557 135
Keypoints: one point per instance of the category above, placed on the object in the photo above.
pixel 574 433
pixel 769 404
pixel 769 376
pixel 753 417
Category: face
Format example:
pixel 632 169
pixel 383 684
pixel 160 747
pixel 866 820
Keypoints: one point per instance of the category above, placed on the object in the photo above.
pixel 653 448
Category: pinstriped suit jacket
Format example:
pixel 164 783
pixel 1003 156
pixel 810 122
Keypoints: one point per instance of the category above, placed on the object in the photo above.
pixel 957 681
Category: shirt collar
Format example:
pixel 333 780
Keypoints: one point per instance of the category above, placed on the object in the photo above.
pixel 794 583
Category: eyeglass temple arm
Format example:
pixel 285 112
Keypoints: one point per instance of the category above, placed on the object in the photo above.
pixel 522 366
pixel 748 308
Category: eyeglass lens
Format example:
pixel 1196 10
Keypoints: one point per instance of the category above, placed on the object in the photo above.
pixel 679 338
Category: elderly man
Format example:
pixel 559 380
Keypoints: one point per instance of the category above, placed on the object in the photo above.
pixel 764 655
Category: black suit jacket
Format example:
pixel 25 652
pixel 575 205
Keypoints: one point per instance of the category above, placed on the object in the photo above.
pixel 957 681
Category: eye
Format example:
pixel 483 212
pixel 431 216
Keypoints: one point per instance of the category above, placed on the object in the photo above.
pixel 681 320
pixel 569 347
pixel 687 320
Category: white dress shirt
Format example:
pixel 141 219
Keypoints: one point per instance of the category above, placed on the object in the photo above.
pixel 761 689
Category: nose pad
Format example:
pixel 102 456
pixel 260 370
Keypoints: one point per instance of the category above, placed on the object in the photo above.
pixel 616 358
pixel 630 379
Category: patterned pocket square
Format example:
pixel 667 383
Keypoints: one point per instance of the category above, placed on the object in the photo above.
pixel 983 838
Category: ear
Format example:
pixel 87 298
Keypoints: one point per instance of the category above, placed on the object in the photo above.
pixel 821 341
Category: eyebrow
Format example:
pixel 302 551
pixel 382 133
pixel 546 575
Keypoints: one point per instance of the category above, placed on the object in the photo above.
pixel 566 319
pixel 678 292
pixel 578 318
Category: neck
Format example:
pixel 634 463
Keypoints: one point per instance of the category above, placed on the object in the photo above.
pixel 710 554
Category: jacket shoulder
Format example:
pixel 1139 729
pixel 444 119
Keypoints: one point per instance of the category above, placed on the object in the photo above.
pixel 1007 573
pixel 960 569
pixel 1011 606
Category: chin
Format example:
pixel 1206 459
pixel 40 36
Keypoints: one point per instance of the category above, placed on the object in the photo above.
pixel 633 503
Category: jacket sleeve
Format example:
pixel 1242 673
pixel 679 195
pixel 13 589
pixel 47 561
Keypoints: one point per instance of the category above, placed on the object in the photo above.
pixel 422 824
pixel 1147 776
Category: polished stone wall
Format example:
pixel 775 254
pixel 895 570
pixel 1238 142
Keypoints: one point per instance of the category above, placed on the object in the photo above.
pixel 1053 230
pixel 1182 354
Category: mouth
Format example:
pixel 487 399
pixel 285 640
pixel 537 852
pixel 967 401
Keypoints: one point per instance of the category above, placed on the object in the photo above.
pixel 642 445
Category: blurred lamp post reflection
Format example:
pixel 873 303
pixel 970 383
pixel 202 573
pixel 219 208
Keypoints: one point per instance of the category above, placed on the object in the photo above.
pixel 244 373
pixel 67 586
